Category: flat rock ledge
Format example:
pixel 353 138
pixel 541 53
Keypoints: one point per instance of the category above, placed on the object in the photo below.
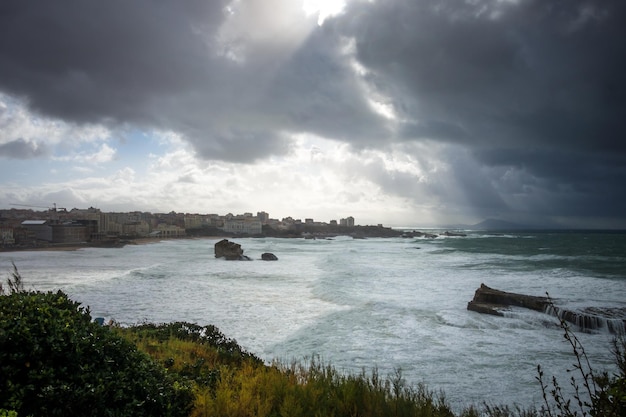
pixel 491 301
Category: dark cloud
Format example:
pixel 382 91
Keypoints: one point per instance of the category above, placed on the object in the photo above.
pixel 318 91
pixel 536 88
pixel 489 72
pixel 89 61
pixel 560 183
pixel 529 95
pixel 21 149
pixel 180 66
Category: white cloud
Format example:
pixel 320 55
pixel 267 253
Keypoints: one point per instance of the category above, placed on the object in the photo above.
pixel 103 154
pixel 319 178
pixel 18 123
pixel 276 25
pixel 323 8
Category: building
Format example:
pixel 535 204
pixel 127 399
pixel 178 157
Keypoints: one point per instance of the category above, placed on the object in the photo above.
pixel 136 229
pixel 194 221
pixel 39 229
pixel 168 230
pixel 347 222
pixel 263 216
pixel 243 225
pixel 70 232
pixel 6 236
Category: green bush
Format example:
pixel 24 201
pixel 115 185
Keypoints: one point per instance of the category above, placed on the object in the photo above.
pixel 228 350
pixel 190 352
pixel 55 361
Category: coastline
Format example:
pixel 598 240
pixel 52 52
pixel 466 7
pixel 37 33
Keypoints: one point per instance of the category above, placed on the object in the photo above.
pixel 69 247
pixel 356 232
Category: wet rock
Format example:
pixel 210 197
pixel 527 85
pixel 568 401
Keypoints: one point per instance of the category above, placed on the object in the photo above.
pixel 453 234
pixel 269 257
pixel 416 233
pixel 491 301
pixel 230 251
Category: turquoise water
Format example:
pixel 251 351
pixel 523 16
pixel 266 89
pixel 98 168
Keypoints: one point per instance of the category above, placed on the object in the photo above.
pixel 363 304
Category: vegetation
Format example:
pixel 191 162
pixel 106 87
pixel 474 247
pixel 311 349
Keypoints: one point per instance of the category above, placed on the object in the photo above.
pixel 54 360
pixel 231 382
pixel 593 394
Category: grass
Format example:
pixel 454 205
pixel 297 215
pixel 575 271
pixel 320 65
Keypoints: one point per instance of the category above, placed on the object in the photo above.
pixel 231 382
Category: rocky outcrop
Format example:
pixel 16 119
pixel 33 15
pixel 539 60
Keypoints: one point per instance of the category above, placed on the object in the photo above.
pixel 613 320
pixel 268 257
pixel 416 233
pixel 446 233
pixel 230 251
pixel 491 301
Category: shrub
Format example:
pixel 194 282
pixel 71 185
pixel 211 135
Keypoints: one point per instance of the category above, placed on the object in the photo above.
pixel 55 361
pixel 189 351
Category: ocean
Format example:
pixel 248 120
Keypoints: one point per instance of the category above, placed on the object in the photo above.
pixel 390 304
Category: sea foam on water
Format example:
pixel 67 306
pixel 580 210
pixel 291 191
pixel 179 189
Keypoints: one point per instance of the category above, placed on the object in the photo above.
pixel 365 304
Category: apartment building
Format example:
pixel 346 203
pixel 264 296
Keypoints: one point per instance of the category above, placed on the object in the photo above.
pixel 243 225
pixel 347 222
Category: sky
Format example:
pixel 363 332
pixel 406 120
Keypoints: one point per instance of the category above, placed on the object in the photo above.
pixel 400 112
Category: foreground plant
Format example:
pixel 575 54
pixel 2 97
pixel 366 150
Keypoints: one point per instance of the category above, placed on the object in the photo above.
pixel 597 395
pixel 55 361
pixel 228 381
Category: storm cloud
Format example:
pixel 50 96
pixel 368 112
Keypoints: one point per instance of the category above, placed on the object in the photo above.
pixel 21 149
pixel 181 66
pixel 534 89
pixel 525 100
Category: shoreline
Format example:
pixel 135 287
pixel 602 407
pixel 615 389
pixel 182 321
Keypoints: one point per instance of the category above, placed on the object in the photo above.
pixel 70 247
pixel 356 232
pixel 359 232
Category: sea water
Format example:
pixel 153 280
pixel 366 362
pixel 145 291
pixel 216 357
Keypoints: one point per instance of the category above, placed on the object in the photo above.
pixel 391 305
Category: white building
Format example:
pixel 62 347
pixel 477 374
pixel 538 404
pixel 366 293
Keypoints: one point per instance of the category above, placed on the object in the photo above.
pixel 168 230
pixel 247 225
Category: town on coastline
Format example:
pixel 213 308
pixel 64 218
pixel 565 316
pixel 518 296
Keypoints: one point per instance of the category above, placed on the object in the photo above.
pixel 22 228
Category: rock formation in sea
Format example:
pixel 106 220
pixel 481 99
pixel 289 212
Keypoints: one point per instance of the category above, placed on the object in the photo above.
pixel 491 301
pixel 269 257
pixel 230 251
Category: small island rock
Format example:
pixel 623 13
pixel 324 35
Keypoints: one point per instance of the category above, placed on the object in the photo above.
pixel 230 251
pixel 269 257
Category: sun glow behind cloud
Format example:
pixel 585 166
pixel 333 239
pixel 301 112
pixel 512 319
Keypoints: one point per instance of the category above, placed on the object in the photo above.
pixel 323 8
